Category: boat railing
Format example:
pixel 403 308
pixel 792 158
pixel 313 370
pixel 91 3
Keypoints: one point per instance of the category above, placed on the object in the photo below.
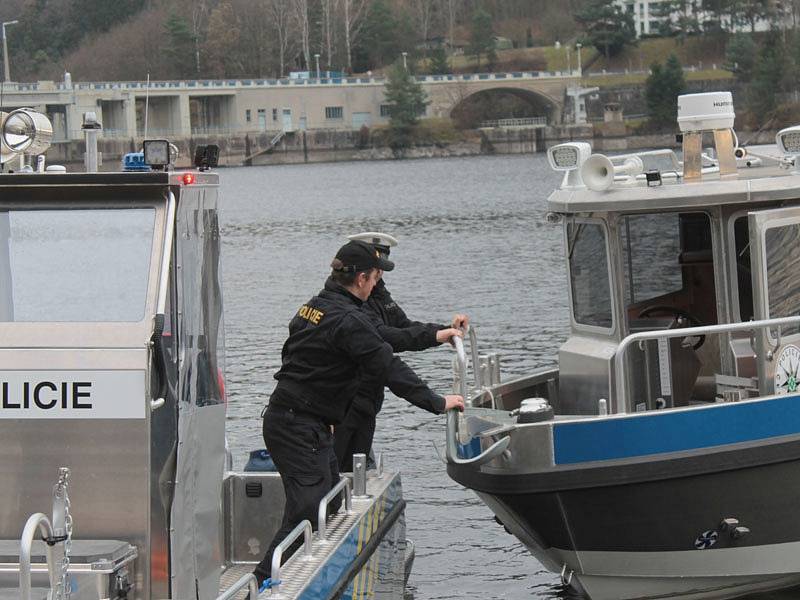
pixel 620 380
pixel 343 487
pixel 57 531
pixel 304 529
pixel 453 417
pixel 246 581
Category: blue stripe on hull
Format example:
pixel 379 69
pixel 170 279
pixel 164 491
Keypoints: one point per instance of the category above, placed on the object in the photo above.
pixel 659 432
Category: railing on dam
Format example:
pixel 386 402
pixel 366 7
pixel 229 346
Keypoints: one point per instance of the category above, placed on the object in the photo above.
pixel 218 84
pixel 521 122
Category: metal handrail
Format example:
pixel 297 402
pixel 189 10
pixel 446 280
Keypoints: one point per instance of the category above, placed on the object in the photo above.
pixel 451 450
pixel 40 521
pixel 248 580
pixel 304 529
pixel 322 513
pixel 619 376
pixel 473 348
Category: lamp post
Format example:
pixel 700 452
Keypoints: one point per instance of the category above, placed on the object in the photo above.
pixel 580 71
pixel 405 65
pixel 316 58
pixel 6 75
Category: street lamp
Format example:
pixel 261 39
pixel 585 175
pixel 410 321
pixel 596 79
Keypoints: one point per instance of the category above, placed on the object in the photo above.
pixel 580 71
pixel 316 58
pixel 6 75
pixel 405 66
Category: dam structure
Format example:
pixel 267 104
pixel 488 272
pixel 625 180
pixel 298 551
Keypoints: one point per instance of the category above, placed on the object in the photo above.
pixel 184 109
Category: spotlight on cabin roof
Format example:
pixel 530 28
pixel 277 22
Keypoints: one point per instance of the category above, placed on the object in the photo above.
pixel 24 131
pixel 569 157
pixel 788 140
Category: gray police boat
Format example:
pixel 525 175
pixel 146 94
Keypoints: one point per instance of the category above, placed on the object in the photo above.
pixel 661 458
pixel 115 481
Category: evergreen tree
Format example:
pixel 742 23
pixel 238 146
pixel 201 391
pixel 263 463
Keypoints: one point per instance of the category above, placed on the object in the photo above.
pixel 406 100
pixel 179 46
pixel 439 64
pixel 662 89
pixel 481 41
pixel 677 17
pixel 740 56
pixel 608 27
pixel 768 77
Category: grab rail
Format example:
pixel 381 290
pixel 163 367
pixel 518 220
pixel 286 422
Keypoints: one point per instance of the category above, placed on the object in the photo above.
pixel 304 529
pixel 248 580
pixel 619 377
pixel 473 348
pixel 40 521
pixel 451 450
pixel 322 513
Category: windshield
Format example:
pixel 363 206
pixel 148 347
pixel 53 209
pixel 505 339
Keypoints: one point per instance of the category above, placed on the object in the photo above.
pixel 75 265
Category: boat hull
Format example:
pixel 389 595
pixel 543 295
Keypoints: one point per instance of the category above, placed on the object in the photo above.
pixel 643 530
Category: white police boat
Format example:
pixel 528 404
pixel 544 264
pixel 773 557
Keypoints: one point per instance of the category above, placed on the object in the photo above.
pixel 115 481
pixel 661 458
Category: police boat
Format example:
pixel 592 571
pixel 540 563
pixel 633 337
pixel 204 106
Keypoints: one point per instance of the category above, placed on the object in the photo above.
pixel 661 458
pixel 115 480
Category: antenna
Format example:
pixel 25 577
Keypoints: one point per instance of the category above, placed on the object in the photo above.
pixel 146 103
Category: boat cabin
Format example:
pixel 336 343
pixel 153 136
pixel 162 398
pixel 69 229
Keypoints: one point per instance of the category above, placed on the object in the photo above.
pixel 657 252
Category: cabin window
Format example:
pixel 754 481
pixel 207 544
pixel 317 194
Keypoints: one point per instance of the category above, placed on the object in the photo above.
pixel 744 277
pixel 668 268
pixel 75 265
pixel 782 248
pixel 588 270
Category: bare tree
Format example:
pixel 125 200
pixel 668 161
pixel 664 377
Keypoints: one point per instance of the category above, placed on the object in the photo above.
pixel 329 9
pixel 452 13
pixel 281 16
pixel 300 13
pixel 423 10
pixel 354 13
pixel 199 22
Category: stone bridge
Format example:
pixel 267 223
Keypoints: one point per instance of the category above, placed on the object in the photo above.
pixel 178 109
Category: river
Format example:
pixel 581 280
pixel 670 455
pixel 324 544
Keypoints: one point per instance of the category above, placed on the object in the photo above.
pixel 473 238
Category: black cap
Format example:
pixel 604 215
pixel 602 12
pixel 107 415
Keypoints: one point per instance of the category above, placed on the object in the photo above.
pixel 357 256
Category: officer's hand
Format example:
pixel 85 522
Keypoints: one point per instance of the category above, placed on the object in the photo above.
pixel 446 335
pixel 453 401
pixel 460 321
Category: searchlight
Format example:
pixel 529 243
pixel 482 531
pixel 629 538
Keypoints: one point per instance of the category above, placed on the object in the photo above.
pixel 24 131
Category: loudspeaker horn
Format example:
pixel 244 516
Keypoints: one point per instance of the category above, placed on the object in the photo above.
pixel 598 171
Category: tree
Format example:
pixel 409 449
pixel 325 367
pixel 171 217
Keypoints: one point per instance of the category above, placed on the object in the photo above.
pixel 439 64
pixel 179 46
pixel 677 17
pixel 355 12
pixel 608 27
pixel 750 11
pixel 481 42
pixel 768 77
pixel 223 41
pixel 740 56
pixel 406 100
pixel 281 16
pixel 662 89
pixel 379 43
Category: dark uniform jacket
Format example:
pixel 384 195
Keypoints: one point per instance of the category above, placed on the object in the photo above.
pixel 400 332
pixel 333 349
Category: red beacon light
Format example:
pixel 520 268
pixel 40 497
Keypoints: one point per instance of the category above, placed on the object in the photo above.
pixel 188 178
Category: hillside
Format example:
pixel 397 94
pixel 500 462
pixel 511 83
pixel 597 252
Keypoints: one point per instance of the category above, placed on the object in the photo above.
pixel 129 39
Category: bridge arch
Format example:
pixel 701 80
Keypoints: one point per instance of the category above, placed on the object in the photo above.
pixel 504 102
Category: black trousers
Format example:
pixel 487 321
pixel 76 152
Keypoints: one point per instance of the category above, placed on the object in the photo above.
pixel 353 436
pixel 302 447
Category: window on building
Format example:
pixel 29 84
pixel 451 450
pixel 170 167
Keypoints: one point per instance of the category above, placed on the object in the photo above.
pixel 274 114
pixel 247 115
pixel 386 110
pixel 334 112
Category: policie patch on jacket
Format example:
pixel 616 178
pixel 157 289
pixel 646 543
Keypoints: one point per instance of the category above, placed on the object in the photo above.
pixel 312 315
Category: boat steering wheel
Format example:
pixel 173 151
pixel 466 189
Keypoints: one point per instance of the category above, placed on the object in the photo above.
pixel 677 314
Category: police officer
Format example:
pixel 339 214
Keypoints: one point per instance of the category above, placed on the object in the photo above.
pixel 354 435
pixel 333 348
